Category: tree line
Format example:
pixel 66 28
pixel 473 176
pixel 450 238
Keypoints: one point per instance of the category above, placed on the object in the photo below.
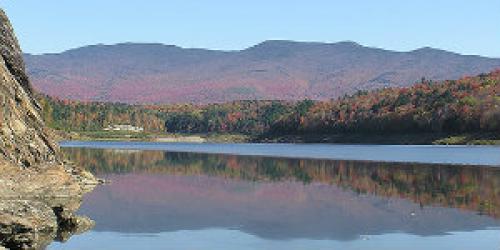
pixel 470 104
pixel 92 116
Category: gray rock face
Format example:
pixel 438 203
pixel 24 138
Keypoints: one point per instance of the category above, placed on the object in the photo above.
pixel 38 193
pixel 24 140
pixel 11 52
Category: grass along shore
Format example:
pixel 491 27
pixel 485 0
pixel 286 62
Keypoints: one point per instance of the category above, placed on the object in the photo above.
pixel 394 139
pixel 151 137
pixel 388 139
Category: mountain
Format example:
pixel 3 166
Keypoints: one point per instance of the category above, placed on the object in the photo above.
pixel 156 73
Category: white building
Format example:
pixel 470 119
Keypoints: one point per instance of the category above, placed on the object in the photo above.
pixel 124 127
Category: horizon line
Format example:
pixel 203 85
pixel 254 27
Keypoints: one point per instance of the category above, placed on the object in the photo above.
pixel 255 45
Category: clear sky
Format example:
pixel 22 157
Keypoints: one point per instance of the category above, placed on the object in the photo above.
pixel 464 26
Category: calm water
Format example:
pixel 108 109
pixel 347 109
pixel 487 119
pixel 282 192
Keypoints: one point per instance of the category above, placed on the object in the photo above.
pixel 160 198
pixel 463 155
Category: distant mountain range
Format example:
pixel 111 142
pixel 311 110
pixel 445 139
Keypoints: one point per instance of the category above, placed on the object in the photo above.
pixel 285 70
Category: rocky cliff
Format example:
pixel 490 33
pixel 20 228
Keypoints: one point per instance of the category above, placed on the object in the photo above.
pixel 24 139
pixel 38 192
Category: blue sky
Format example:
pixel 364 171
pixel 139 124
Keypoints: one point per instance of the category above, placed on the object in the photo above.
pixel 467 27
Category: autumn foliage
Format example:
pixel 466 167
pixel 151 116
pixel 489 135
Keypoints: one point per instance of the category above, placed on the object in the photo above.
pixel 470 104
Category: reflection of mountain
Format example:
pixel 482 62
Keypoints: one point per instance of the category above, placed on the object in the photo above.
pixel 465 187
pixel 285 198
pixel 145 203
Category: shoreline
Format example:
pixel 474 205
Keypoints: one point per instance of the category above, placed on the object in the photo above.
pixel 388 139
pixel 356 139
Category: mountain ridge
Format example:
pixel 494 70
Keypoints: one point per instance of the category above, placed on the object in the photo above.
pixel 274 69
pixel 353 43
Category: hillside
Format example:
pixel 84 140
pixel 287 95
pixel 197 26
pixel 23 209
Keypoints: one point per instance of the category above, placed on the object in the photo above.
pixel 284 70
pixel 470 105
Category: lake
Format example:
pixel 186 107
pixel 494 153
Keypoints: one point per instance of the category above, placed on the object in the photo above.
pixel 286 196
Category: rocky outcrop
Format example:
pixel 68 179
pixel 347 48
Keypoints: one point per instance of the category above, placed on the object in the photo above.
pixel 39 193
pixel 24 140
pixel 11 52
pixel 37 207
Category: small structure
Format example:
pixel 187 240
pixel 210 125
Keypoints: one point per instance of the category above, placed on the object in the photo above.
pixel 124 127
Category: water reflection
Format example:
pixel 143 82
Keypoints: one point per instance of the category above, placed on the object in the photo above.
pixel 275 198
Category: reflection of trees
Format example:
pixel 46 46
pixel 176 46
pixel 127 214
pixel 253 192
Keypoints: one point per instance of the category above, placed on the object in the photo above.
pixel 464 187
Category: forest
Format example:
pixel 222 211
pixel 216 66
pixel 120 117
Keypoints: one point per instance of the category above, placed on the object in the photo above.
pixel 77 116
pixel 467 105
